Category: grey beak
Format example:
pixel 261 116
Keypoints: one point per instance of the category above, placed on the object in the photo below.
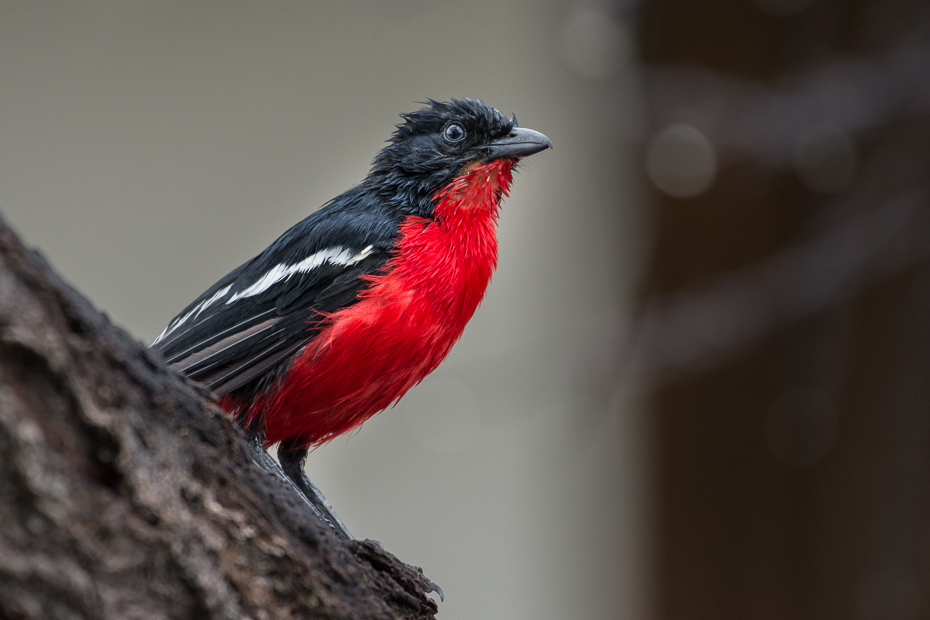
pixel 521 142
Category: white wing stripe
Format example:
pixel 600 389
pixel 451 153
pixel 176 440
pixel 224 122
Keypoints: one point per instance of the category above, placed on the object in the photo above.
pixel 195 311
pixel 219 295
pixel 337 255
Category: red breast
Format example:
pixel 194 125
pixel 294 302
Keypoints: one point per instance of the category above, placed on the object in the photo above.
pixel 404 325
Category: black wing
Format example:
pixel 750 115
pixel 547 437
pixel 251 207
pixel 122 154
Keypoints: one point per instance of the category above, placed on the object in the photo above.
pixel 268 309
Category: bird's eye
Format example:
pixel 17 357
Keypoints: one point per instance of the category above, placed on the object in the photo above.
pixel 454 133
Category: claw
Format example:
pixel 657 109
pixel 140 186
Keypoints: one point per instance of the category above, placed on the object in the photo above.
pixel 376 543
pixel 434 587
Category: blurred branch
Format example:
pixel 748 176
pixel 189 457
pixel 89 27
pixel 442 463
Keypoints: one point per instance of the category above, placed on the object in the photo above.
pixel 766 123
pixel 783 328
pixel 695 330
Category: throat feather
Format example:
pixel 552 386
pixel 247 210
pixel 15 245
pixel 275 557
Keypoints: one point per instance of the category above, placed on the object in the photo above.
pixel 478 190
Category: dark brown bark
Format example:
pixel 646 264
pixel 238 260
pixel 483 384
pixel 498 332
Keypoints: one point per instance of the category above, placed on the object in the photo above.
pixel 124 493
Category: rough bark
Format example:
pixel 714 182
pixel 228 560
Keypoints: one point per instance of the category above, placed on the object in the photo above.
pixel 125 493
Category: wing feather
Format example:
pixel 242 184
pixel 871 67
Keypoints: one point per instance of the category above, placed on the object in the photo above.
pixel 261 314
pixel 226 344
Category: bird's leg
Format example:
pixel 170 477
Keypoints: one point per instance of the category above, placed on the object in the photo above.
pixel 261 457
pixel 292 465
pixel 255 441
pixel 292 462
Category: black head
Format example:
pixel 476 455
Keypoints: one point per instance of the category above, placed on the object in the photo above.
pixel 435 144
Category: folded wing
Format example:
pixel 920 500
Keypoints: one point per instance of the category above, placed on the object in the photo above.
pixel 264 312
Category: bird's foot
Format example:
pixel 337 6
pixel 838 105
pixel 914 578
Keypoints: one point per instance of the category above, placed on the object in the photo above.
pixel 434 587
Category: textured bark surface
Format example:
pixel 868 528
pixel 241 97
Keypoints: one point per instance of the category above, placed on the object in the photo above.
pixel 124 493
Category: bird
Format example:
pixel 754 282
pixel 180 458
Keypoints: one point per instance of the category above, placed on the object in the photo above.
pixel 355 304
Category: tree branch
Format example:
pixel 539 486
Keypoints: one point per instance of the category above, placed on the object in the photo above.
pixel 125 493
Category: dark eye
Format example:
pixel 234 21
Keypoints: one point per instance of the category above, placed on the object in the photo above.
pixel 454 133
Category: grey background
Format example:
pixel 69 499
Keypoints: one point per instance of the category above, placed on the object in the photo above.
pixel 147 148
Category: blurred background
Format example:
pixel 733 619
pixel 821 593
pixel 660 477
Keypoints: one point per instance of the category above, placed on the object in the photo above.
pixel 699 385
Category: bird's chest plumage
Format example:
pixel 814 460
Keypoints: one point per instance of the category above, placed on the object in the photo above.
pixel 404 324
